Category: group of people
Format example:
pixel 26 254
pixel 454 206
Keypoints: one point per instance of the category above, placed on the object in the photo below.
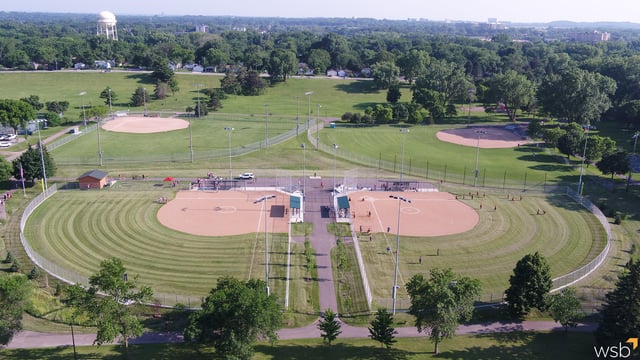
pixel 6 196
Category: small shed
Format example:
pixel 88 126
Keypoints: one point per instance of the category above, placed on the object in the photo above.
pixel 94 179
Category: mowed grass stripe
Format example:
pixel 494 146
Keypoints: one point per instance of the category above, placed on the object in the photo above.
pixel 97 225
pixel 567 235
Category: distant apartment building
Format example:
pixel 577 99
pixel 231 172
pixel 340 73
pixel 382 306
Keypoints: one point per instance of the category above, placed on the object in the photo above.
pixel 592 36
pixel 202 28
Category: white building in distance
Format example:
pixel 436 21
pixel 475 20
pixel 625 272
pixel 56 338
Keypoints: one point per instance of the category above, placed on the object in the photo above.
pixel 107 25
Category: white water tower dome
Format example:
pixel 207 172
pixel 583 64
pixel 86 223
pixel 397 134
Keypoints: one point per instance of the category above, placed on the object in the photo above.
pixel 107 25
pixel 107 17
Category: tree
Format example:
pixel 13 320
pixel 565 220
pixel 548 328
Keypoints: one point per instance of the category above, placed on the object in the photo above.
pixel 162 72
pixel 512 89
pixel 109 96
pixel 552 136
pixel 441 85
pixel 29 164
pixel 282 63
pixel 529 285
pixel 413 63
pixel 381 329
pixel 14 299
pixel 621 312
pixel 112 312
pixel 319 60
pixel 57 107
pixel 576 95
pixel 234 316
pixel 393 93
pixel 15 113
pixel 566 308
pixel 441 302
pixel 33 100
pixel 384 74
pixel 616 163
pixel 329 327
pixel 598 146
pixel 139 97
pixel 571 142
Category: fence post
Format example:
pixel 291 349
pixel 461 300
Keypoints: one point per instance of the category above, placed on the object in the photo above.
pixel 524 188
pixel 504 179
pixel 445 172
pixel 464 175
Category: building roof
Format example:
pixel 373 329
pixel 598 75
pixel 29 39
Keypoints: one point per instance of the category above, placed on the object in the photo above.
pixel 96 174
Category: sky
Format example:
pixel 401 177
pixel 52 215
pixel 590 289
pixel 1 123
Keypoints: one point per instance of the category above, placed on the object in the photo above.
pixel 439 10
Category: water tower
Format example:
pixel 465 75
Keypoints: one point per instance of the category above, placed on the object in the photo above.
pixel 107 25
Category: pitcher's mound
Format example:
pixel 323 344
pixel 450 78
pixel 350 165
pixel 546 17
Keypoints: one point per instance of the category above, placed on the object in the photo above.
pixel 144 125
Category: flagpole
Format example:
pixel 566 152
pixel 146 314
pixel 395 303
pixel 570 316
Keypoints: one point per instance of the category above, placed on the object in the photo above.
pixel 24 192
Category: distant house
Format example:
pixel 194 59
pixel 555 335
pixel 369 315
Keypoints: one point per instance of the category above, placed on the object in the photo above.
pixel 94 179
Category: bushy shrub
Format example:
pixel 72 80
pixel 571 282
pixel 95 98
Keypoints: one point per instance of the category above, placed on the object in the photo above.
pixel 34 273
pixel 9 258
pixel 15 266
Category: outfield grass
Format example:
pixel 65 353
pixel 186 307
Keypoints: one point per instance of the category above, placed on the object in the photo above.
pixel 426 156
pixel 93 226
pixel 122 222
pixel 568 236
pixel 514 345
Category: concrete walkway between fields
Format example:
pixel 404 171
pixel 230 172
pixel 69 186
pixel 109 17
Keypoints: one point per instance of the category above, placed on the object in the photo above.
pixel 318 201
pixel 30 339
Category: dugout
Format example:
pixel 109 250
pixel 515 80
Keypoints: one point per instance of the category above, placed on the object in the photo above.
pixel 296 202
pixel 343 206
pixel 399 185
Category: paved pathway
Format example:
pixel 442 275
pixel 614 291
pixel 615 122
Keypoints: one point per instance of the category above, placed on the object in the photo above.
pixel 30 339
pixel 317 201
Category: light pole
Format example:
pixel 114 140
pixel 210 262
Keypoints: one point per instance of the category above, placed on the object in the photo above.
pixel 229 130
pixel 404 131
pixel 304 166
pixel 84 114
pixel 395 274
pixel 335 149
pixel 297 114
pixel 308 95
pixel 470 92
pixel 198 99
pixel 318 128
pixel 475 175
pixel 266 240
pixel 266 126
pixel 110 108
pixel 635 142
pixel 44 170
pixel 584 155
pixel 144 100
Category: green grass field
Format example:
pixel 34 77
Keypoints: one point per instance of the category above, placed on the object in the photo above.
pixel 121 222
pixel 79 229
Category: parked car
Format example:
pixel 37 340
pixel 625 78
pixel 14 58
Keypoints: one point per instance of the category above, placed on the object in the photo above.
pixel 246 176
pixel 5 144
